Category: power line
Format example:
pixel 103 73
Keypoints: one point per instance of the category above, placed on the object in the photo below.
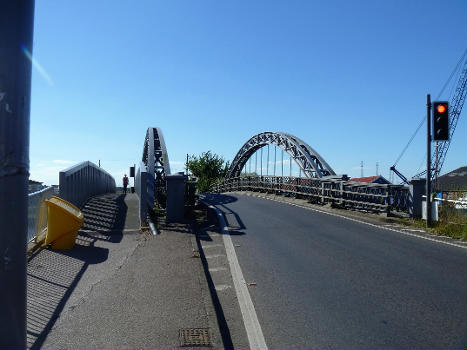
pixel 422 122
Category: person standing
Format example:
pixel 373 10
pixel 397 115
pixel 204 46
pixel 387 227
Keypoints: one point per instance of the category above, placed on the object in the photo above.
pixel 125 183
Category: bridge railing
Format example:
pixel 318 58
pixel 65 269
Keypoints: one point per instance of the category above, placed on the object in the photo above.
pixel 144 187
pixel 84 180
pixel 332 189
pixel 36 222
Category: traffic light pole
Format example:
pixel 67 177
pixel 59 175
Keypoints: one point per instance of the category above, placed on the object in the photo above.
pixel 428 161
pixel 16 26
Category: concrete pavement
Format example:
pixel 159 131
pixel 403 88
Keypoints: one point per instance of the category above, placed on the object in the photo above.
pixel 119 288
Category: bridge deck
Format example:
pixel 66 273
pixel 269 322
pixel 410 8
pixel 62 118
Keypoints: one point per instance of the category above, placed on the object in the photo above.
pixel 117 288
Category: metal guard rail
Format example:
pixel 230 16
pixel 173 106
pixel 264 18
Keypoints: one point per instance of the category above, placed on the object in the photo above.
pixel 332 189
pixel 84 180
pixel 36 223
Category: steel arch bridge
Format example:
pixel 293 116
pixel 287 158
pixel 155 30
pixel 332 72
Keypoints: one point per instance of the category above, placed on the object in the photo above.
pixel 311 163
pixel 155 156
pixel 152 171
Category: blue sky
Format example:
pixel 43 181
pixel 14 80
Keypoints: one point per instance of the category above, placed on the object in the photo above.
pixel 348 77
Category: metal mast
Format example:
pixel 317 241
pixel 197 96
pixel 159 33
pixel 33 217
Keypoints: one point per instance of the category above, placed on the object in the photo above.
pixel 455 109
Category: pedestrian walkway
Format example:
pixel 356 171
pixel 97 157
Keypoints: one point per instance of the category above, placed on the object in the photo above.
pixel 118 288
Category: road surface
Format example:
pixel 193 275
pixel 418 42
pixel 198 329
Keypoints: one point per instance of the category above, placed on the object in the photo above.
pixel 331 283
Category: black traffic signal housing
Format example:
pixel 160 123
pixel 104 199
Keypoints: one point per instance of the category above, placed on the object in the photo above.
pixel 132 171
pixel 440 121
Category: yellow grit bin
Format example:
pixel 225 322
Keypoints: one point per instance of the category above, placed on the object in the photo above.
pixel 63 223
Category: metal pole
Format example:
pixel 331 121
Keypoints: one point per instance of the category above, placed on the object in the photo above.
pixel 256 163
pixel 274 161
pixel 16 26
pixel 290 162
pixel 267 163
pixel 261 162
pixel 428 160
pixel 282 162
pixel 435 185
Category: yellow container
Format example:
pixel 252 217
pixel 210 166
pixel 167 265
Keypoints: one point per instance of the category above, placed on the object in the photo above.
pixel 63 223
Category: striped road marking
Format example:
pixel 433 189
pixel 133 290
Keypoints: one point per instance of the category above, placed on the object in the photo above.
pixel 250 319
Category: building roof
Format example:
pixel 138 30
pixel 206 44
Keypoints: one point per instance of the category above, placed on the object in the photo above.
pixel 370 179
pixel 455 180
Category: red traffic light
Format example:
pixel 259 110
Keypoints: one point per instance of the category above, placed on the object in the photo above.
pixel 441 108
pixel 440 121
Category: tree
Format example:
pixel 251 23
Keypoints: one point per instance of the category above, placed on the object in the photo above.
pixel 208 168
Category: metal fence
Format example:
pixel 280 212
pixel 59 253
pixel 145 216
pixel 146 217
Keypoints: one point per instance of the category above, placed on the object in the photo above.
pixel 36 221
pixel 84 180
pixel 332 189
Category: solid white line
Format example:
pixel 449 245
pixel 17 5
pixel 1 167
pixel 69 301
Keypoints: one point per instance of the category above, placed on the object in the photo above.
pixel 250 319
pixel 367 223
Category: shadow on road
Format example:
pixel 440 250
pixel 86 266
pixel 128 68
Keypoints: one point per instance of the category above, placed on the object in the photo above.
pixel 203 235
pixel 52 275
pixel 233 220
pixel 218 198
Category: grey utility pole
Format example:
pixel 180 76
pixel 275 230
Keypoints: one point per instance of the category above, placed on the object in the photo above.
pixel 428 160
pixel 16 28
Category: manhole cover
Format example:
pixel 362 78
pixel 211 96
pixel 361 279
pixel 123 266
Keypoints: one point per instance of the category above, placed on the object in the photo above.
pixel 194 337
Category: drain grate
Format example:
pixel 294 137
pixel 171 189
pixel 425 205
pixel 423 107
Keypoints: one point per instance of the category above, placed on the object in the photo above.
pixel 195 337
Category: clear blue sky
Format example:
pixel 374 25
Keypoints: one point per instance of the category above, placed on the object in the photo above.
pixel 348 77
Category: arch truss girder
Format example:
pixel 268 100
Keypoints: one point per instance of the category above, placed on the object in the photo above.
pixel 311 163
pixel 155 156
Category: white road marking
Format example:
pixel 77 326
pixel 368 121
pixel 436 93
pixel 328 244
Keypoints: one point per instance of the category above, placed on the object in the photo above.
pixel 213 256
pixel 250 319
pixel 221 287
pixel 384 227
pixel 207 246
pixel 217 269
pixel 413 230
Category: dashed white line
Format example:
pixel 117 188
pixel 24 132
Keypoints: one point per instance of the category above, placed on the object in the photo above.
pixel 217 269
pixel 250 319
pixel 207 246
pixel 212 256
pixel 221 287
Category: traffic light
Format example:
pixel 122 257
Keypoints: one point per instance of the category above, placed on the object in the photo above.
pixel 440 121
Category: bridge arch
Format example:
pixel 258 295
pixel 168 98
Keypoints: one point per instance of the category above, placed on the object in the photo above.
pixel 155 156
pixel 311 163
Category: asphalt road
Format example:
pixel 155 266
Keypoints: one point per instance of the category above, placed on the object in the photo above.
pixel 330 283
